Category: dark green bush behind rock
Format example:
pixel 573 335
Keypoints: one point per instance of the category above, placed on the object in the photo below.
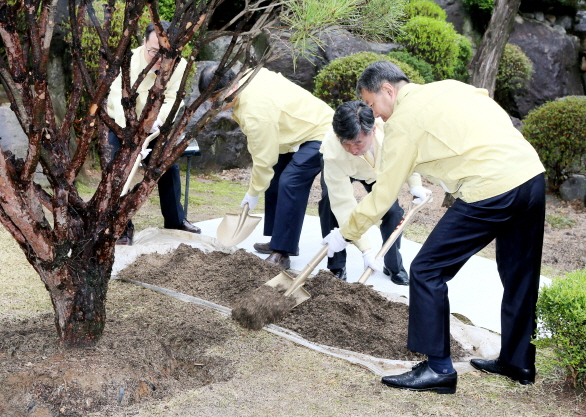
pixel 336 82
pixel 557 131
pixel 434 41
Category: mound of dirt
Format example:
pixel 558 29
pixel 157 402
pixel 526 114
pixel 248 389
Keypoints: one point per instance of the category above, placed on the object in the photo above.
pixel 339 314
pixel 150 349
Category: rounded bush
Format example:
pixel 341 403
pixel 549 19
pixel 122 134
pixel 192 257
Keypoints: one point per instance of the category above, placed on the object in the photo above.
pixel 336 82
pixel 464 57
pixel 434 41
pixel 417 63
pixel 557 131
pixel 424 8
pixel 561 310
pixel 515 71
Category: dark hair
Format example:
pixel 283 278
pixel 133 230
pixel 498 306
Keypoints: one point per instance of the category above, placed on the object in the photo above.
pixel 351 118
pixel 377 73
pixel 151 27
pixel 207 75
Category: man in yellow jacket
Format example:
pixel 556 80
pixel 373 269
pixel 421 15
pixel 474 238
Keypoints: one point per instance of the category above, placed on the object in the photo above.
pixel 351 151
pixel 284 126
pixel 169 184
pixel 457 134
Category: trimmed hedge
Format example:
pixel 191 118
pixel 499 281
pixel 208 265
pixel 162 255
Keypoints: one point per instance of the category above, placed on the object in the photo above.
pixel 424 69
pixel 434 41
pixel 557 131
pixel 561 311
pixel 464 57
pixel 515 70
pixel 336 82
pixel 424 8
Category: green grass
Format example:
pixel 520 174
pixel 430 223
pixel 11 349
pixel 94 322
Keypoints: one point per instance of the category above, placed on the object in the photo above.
pixel 560 221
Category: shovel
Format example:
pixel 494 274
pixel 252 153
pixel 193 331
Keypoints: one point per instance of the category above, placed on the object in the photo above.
pixel 137 162
pixel 294 286
pixel 393 237
pixel 234 228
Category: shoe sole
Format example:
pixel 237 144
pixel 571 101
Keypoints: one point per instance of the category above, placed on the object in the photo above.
pixel 438 390
pixel 520 381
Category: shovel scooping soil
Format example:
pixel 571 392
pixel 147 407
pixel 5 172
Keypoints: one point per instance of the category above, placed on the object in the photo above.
pixel 262 306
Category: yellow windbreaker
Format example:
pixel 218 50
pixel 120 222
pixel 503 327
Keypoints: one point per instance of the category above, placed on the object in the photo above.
pixel 452 133
pixel 137 64
pixel 277 116
pixel 340 166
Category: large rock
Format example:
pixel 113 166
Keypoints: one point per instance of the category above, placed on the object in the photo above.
pixel 555 63
pixel 12 137
pixel 222 143
pixel 573 188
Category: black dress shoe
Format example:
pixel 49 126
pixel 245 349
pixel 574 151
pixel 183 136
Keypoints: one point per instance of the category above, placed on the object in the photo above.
pixel 524 376
pixel 278 258
pixel 423 378
pixel 265 248
pixel 340 273
pixel 127 237
pixel 188 227
pixel 400 279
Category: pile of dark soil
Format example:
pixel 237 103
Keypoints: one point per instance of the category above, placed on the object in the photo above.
pixel 150 349
pixel 339 314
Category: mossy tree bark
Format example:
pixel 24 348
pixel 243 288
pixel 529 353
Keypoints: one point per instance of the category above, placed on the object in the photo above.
pixel 69 241
pixel 484 66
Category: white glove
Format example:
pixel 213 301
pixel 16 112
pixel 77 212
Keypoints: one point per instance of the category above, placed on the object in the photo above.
pixel 420 192
pixel 156 125
pixel 335 242
pixel 144 153
pixel 376 264
pixel 250 200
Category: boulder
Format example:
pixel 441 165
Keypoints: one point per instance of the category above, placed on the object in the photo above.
pixel 222 143
pixel 301 69
pixel 573 188
pixel 555 58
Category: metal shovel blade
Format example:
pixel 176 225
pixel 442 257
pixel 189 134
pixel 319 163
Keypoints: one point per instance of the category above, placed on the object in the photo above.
pixel 283 282
pixel 294 286
pixel 234 228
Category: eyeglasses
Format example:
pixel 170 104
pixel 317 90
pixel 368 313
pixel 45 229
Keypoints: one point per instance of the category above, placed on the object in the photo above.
pixel 152 52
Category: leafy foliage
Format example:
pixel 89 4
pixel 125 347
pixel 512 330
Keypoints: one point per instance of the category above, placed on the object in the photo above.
pixel 417 63
pixel 424 8
pixel 515 70
pixel 464 57
pixel 434 41
pixel 561 310
pixel 167 9
pixel 484 5
pixel 336 82
pixel 557 131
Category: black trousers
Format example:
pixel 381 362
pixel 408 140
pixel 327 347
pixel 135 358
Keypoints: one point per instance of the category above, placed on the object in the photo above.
pixel 515 219
pixel 287 196
pixel 169 186
pixel 393 259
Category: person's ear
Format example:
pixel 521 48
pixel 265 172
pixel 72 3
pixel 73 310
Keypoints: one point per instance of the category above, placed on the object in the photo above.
pixel 388 88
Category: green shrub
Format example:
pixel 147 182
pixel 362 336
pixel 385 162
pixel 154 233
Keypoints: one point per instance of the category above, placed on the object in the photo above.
pixel 484 5
pixel 557 131
pixel 464 57
pixel 336 82
pixel 561 312
pixel 424 8
pixel 434 41
pixel 515 71
pixel 417 63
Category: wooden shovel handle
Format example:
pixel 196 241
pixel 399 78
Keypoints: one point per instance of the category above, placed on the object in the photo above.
pixel 395 235
pixel 300 279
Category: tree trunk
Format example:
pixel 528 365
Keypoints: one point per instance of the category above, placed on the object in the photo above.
pixel 484 65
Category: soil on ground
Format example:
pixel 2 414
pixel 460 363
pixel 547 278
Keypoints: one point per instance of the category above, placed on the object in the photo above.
pixel 345 315
pixel 155 346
